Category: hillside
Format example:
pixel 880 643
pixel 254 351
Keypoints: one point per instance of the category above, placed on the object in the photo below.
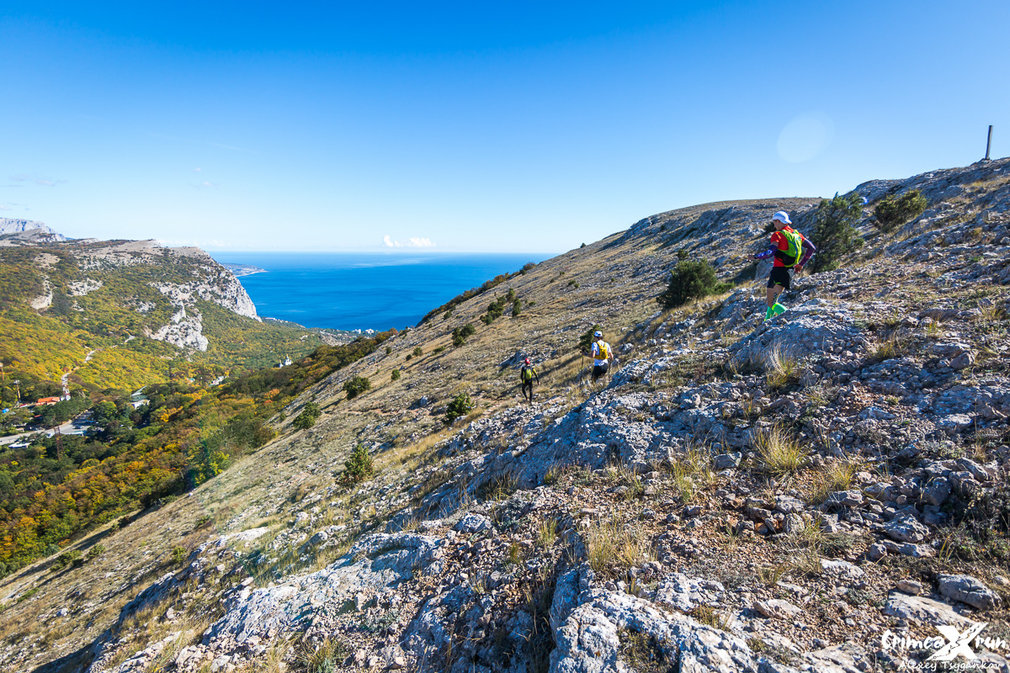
pixel 122 314
pixel 819 493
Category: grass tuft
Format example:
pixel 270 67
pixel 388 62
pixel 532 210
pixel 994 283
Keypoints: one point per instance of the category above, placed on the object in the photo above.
pixel 615 544
pixel 778 451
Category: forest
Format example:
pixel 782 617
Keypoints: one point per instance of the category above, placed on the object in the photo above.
pixel 139 453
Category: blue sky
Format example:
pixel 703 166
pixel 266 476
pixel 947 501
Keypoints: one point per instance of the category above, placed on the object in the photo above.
pixel 474 126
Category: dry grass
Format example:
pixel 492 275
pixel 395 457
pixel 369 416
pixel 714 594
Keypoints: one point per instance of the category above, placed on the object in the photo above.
pixel 616 544
pixel 324 657
pixel 779 452
pixel 622 475
pixel 771 575
pixel 781 369
pixel 547 532
pixel 891 347
pixel 692 471
pixel 709 616
pixel 834 476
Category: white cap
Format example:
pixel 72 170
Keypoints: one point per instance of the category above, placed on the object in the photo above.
pixel 782 216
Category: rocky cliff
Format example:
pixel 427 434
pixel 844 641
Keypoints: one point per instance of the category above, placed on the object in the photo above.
pixel 825 492
pixel 17 231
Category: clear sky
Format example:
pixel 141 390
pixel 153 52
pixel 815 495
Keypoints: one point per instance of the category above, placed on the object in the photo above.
pixel 475 126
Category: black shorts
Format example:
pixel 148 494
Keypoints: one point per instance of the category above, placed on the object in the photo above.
pixel 600 370
pixel 780 275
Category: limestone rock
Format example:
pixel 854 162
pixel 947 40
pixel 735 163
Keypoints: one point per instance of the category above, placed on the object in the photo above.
pixel 968 590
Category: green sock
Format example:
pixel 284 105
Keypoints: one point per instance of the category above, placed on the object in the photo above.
pixel 778 309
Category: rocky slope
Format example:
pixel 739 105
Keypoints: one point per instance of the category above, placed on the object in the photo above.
pixel 826 492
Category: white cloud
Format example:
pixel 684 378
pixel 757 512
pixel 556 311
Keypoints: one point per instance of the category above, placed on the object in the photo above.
pixel 38 180
pixel 412 242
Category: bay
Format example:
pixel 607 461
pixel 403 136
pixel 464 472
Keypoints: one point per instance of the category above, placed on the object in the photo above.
pixel 349 291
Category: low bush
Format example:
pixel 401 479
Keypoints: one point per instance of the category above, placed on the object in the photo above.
pixel 70 558
pixel 461 405
pixel 356 386
pixel 395 375
pixel 359 466
pixel 691 279
pixel 834 231
pixel 892 212
pixel 460 334
pixel 308 417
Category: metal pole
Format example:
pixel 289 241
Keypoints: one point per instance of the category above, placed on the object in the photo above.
pixel 988 143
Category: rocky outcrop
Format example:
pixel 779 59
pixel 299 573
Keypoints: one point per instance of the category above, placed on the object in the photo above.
pixel 26 232
pixel 185 331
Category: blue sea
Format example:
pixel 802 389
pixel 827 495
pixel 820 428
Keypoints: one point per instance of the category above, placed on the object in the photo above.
pixel 349 291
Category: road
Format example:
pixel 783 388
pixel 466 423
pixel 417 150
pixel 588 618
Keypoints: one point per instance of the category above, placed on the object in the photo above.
pixel 65 429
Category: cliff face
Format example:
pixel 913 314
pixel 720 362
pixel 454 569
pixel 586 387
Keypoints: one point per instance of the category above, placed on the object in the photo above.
pixel 819 493
pixel 17 231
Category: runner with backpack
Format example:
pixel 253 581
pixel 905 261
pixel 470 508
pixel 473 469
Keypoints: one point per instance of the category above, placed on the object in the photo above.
pixel 791 251
pixel 602 355
pixel 526 376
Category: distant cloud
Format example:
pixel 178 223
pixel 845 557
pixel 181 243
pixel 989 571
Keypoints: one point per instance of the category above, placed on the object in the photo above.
pixel 412 242
pixel 197 169
pixel 38 180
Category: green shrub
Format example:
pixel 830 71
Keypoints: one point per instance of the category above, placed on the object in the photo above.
pixel 359 466
pixel 71 558
pixel 834 231
pixel 586 340
pixel 178 555
pixel 892 212
pixel 96 551
pixel 460 334
pixel 691 279
pixel 517 307
pixel 357 385
pixel 395 375
pixel 310 414
pixel 461 405
pixel 495 309
pixel 417 351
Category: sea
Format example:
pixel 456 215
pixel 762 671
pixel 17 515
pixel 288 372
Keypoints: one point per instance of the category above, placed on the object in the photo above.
pixel 351 291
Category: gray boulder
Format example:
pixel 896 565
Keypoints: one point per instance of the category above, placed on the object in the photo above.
pixel 906 529
pixel 968 590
